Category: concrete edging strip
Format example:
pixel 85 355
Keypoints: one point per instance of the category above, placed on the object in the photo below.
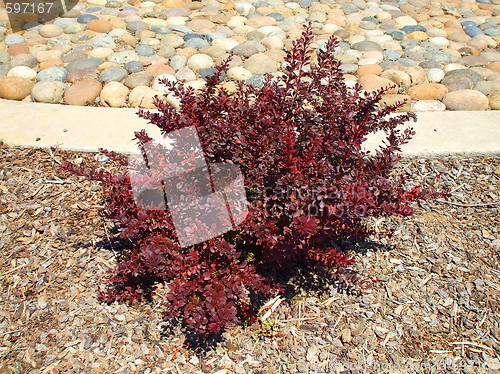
pixel 87 129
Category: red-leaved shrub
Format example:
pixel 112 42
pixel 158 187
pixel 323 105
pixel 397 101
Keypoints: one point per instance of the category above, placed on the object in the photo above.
pixel 310 185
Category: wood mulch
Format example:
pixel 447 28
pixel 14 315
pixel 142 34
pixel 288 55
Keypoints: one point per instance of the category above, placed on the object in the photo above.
pixel 433 305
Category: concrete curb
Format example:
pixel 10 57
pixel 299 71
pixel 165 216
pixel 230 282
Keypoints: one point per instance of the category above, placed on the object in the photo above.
pixel 89 128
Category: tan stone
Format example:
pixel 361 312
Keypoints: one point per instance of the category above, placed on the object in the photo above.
pixel 494 100
pixel 15 88
pixel 458 36
pixel 50 31
pixel 277 55
pixel 428 91
pixel 401 78
pixel 494 66
pixel 453 23
pixel 369 69
pixel 173 3
pixel 18 49
pixel 391 99
pixel 230 86
pixel 114 94
pixel 478 44
pixel 264 10
pixel 201 25
pixel 43 56
pixel 465 100
pixel 417 74
pixel 229 5
pixel 374 83
pixel 83 92
pixel 100 26
pixel 421 17
pixel 142 97
pixel 418 35
pixel 260 21
pixel 187 52
pixel 158 69
pixel 128 39
pixel 51 63
pixel 107 64
pixel 117 23
pixel 219 18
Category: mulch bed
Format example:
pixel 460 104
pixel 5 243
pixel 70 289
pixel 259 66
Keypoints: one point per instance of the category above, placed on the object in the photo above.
pixel 432 306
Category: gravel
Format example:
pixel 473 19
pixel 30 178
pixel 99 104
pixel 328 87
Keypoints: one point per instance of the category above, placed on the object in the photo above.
pixel 432 304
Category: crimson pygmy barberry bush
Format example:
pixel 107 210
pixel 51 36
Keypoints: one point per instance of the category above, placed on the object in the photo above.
pixel 310 186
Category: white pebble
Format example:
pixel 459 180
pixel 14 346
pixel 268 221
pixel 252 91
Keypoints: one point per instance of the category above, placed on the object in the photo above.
pixel 435 75
pixel 177 21
pixel 239 73
pixel 439 41
pixel 244 8
pixel 453 66
pixel 428 106
pixel 225 43
pixel 200 61
pixel 22 72
pixel 160 87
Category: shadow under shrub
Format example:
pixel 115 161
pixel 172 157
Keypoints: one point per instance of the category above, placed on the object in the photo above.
pixel 310 186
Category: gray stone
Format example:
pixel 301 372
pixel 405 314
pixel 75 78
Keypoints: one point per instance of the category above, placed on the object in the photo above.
pixel 196 43
pixel 54 73
pixel 396 34
pixel 103 40
pixel 256 81
pixel 457 82
pixel 74 56
pixel 349 68
pixel 138 79
pixel 407 62
pixel 12 39
pixel 471 74
pixel 84 64
pixel 144 50
pixel 487 87
pixel 430 65
pixel 181 28
pixel 136 26
pixel 178 62
pixel 134 66
pixel 409 43
pixel 113 73
pixel 439 57
pixel 349 8
pixel 3 70
pixel 4 57
pixel 63 22
pixel 215 35
pixel 414 53
pixel 247 49
pixel 48 92
pixel 123 57
pixel 366 45
pixel 23 60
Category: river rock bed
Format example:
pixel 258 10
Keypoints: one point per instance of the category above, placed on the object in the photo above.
pixel 441 55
